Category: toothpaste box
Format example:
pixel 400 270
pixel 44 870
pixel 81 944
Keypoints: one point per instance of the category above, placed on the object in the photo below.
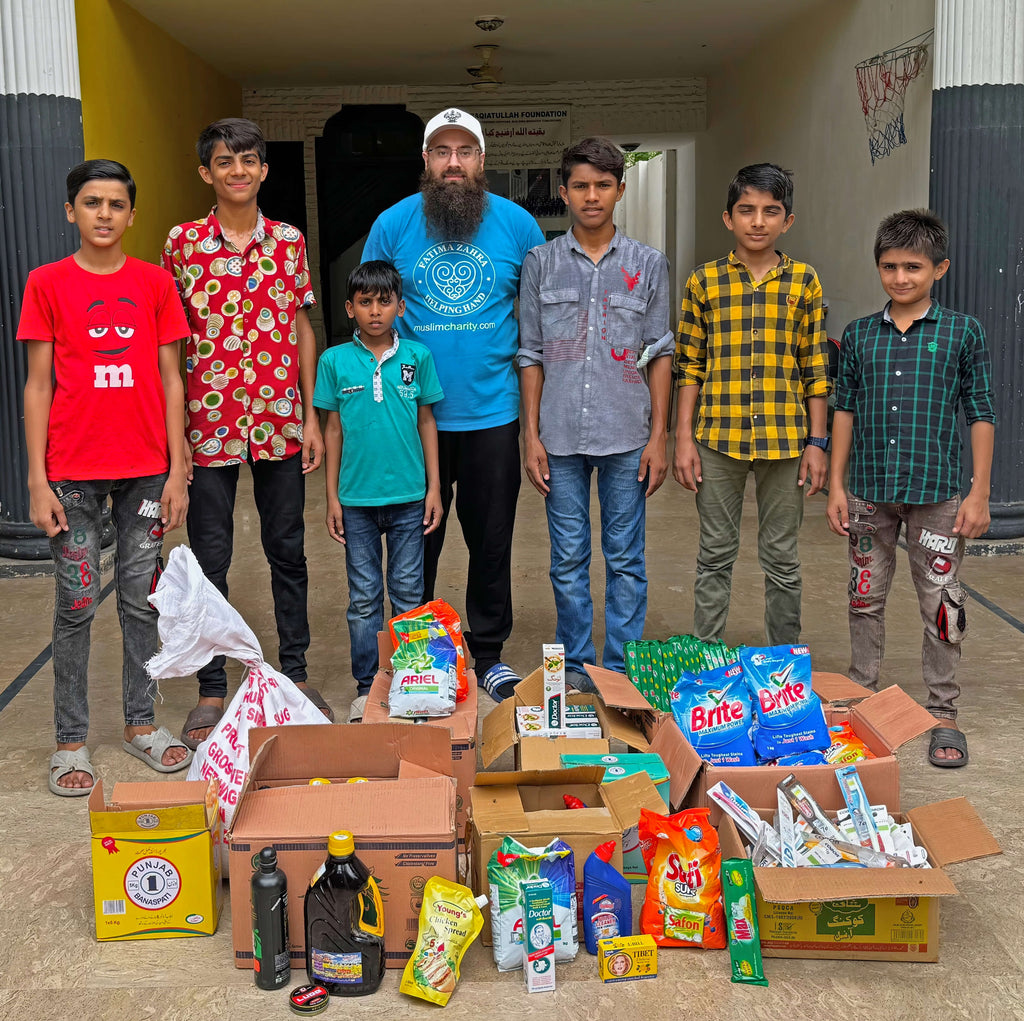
pixel 624 958
pixel 578 721
pixel 538 935
pixel 554 687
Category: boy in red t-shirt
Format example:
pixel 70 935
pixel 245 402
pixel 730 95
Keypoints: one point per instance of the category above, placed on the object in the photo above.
pixel 102 397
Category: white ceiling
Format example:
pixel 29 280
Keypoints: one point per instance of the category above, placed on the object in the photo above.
pixel 427 42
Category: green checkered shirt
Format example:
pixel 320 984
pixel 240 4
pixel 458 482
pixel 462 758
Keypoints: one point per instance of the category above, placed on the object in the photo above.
pixel 905 390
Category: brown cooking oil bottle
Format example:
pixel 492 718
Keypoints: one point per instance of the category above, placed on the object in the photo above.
pixel 344 923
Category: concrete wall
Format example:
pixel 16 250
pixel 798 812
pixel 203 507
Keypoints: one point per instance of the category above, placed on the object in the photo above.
pixel 145 98
pixel 793 100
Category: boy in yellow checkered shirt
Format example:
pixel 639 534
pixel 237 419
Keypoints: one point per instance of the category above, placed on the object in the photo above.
pixel 751 363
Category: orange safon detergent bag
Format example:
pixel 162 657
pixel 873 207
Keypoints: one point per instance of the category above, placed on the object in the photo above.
pixel 683 906
pixel 439 610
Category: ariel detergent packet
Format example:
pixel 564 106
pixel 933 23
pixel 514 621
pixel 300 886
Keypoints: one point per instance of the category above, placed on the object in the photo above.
pixel 789 717
pixel 713 711
pixel 425 681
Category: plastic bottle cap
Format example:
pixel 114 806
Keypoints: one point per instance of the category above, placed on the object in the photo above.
pixel 319 781
pixel 341 844
pixel 268 859
pixel 605 851
pixel 357 779
pixel 309 999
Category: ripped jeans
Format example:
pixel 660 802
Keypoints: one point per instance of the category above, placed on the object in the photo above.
pixel 935 554
pixel 135 512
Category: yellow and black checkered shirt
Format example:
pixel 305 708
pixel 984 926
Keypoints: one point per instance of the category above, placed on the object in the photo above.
pixel 758 351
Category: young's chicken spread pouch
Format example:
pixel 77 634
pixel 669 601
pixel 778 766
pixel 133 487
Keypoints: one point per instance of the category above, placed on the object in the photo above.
pixel 713 711
pixel 683 905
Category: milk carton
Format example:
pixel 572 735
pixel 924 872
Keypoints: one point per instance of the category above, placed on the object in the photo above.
pixel 538 935
pixel 554 688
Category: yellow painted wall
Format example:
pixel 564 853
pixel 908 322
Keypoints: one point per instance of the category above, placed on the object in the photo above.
pixel 145 98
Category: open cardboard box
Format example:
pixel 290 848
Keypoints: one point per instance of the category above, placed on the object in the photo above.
pixel 403 819
pixel 499 732
pixel 529 807
pixel 884 721
pixel 461 726
pixel 864 914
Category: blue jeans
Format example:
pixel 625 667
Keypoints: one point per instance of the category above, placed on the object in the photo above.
pixel 402 525
pixel 135 512
pixel 623 520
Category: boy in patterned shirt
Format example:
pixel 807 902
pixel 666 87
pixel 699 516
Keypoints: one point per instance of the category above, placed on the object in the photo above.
pixel 250 368
pixel 904 373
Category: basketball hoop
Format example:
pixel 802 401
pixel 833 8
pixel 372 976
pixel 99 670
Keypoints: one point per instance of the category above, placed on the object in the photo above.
pixel 882 84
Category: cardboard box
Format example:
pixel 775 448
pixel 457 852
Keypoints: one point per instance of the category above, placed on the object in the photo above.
pixel 865 914
pixel 154 871
pixel 403 819
pixel 461 726
pixel 884 721
pixel 528 806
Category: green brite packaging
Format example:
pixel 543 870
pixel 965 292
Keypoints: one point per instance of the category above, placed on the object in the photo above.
pixel 607 902
pixel 714 713
pixel 741 921
pixel 789 717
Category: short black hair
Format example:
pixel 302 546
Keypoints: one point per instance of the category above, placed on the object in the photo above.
pixel 99 170
pixel 375 278
pixel 762 177
pixel 918 230
pixel 238 134
pixel 600 153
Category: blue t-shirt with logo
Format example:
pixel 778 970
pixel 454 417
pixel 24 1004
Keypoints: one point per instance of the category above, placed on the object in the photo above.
pixel 459 302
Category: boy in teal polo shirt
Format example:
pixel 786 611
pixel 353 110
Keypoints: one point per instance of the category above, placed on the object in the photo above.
pixel 381 457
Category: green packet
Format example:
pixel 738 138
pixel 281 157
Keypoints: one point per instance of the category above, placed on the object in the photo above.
pixel 740 902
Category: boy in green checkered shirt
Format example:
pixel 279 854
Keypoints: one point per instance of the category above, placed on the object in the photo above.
pixel 904 373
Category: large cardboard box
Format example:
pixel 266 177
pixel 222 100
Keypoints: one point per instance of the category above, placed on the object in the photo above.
pixel 529 807
pixel 884 721
pixel 865 914
pixel 403 819
pixel 154 870
pixel 461 726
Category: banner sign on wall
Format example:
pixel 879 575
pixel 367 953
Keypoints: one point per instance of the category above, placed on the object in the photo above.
pixel 525 136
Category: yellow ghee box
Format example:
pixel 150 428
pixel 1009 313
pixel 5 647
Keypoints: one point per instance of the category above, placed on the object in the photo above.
pixel 623 958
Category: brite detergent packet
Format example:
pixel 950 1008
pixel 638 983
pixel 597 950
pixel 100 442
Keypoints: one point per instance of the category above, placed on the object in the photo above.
pixel 714 713
pixel 425 681
pixel 789 716
pixel 511 864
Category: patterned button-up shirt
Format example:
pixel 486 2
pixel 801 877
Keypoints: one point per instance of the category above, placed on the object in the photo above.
pixel 241 359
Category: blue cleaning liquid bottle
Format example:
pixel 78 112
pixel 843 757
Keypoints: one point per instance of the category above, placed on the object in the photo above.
pixel 607 905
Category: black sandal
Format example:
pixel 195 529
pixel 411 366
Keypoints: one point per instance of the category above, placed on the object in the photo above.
pixel 947 737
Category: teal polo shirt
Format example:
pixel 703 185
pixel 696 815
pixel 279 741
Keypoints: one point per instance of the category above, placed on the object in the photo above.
pixel 378 404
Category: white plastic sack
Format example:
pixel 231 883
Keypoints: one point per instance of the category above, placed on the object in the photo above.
pixel 195 624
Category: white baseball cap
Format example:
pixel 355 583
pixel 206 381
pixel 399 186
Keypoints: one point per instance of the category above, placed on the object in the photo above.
pixel 454 118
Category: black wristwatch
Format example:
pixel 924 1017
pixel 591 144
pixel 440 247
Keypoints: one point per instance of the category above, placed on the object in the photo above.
pixel 817 441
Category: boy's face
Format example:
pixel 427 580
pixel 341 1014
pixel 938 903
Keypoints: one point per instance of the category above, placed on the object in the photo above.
pixel 102 212
pixel 374 314
pixel 235 176
pixel 757 221
pixel 907 277
pixel 591 195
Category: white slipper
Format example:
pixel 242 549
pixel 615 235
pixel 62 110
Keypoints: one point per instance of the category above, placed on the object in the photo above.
pixel 64 761
pixel 151 747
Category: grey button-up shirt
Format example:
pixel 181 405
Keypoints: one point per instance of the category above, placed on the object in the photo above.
pixel 592 327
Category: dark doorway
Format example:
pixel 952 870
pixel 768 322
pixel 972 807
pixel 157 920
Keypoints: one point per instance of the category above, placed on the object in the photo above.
pixel 283 193
pixel 367 159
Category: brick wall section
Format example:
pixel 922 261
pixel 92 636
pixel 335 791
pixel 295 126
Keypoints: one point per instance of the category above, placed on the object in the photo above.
pixel 660 106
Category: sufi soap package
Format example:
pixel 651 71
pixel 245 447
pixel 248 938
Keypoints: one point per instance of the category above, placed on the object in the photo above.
pixel 789 717
pixel 713 710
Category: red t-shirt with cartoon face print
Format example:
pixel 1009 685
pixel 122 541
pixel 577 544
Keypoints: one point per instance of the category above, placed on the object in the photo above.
pixel 108 415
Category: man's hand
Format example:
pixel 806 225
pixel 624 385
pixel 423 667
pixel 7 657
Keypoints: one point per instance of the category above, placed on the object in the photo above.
pixel 654 464
pixel 335 527
pixel 813 468
pixel 174 501
pixel 433 511
pixel 973 518
pixel 686 463
pixel 312 444
pixel 837 511
pixel 46 511
pixel 535 460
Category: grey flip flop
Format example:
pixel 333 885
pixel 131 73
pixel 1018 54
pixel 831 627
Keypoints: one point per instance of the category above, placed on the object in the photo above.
pixel 318 700
pixel 67 761
pixel 150 749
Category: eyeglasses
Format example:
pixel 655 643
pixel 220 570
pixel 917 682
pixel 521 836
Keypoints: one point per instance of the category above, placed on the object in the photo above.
pixel 444 152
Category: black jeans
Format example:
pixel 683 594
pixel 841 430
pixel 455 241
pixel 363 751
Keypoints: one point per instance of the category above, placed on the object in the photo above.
pixel 280 491
pixel 483 465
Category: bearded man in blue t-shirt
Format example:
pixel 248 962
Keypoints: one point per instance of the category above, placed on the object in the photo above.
pixel 460 251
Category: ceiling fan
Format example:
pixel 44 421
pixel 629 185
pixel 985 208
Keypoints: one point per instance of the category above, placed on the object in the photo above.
pixel 487 76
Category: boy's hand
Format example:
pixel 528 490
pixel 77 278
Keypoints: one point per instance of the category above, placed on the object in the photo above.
pixel 174 501
pixel 312 445
pixel 653 464
pixel 813 467
pixel 837 511
pixel 335 527
pixel 432 511
pixel 686 463
pixel 46 511
pixel 535 461
pixel 973 518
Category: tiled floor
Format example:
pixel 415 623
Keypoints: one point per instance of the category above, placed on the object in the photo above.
pixel 52 967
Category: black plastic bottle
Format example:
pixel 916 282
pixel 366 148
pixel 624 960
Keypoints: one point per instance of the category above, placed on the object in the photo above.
pixel 269 898
pixel 344 923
